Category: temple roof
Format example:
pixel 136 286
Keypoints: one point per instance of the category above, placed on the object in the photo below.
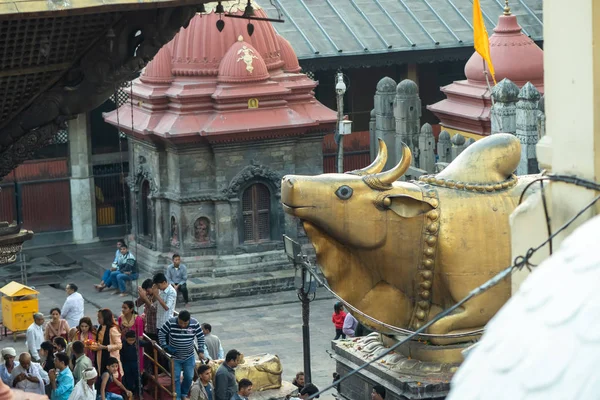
pixel 224 86
pixel 398 31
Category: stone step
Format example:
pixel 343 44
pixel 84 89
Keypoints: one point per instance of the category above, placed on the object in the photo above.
pixel 223 271
pixel 218 261
pixel 240 285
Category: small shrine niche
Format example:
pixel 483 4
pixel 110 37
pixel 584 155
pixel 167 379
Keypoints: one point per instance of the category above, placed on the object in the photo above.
pixel 174 232
pixel 201 231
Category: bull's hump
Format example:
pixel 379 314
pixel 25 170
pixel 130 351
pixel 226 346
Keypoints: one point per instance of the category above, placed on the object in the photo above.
pixel 490 160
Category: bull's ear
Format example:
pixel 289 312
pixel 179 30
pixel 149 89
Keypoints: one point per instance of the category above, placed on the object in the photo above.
pixel 406 206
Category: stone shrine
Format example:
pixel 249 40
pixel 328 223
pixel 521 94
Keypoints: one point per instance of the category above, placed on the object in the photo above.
pixel 216 120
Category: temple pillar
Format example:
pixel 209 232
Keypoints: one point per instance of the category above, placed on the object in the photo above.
pixel 162 220
pixel 407 111
pixel 226 234
pixel 444 146
pixel 458 146
pixel 83 197
pixel 372 136
pixel 427 149
pixel 385 124
pixel 503 112
pixel 527 128
pixel 571 145
pixel 412 73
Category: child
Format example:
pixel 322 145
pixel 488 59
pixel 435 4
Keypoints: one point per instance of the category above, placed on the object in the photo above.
pixel 129 359
pixel 338 320
pixel 60 345
pixel 111 386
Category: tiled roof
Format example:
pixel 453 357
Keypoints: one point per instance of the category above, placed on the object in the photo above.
pixel 328 28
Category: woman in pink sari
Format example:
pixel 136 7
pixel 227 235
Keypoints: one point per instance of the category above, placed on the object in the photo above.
pixel 86 332
pixel 129 320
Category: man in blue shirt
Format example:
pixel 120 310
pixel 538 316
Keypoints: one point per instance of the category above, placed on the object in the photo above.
pixel 106 281
pixel 177 277
pixel 180 336
pixel 128 270
pixel 63 383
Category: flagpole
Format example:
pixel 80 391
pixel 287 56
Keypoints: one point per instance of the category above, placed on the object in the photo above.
pixel 487 80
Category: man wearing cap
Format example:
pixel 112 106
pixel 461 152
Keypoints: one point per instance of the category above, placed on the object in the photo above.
pixel 35 336
pixel 85 388
pixel 8 354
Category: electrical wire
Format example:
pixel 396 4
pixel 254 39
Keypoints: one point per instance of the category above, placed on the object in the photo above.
pixel 519 263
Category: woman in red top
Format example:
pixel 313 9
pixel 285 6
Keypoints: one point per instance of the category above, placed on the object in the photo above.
pixel 338 320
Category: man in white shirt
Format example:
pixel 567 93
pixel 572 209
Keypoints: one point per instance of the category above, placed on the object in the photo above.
pixel 28 376
pixel 35 336
pixel 166 296
pixel 85 389
pixel 72 310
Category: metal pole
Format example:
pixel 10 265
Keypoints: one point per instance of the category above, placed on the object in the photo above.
pixel 340 118
pixel 305 328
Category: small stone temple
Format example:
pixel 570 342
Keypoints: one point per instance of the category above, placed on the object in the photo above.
pixel 516 57
pixel 215 121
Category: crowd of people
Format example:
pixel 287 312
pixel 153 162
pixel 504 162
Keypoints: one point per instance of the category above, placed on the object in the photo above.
pixel 71 358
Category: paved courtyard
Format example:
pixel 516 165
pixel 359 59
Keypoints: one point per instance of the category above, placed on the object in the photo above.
pixel 269 323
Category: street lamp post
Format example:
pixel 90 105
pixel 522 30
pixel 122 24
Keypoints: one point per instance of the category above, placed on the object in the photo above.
pixel 340 90
pixel 305 285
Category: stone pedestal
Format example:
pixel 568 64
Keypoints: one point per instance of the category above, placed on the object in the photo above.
pixel 83 198
pixel 404 377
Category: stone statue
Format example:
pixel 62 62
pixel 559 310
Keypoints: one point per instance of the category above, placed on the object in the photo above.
pixel 401 252
pixel 174 232
pixel 201 230
pixel 544 342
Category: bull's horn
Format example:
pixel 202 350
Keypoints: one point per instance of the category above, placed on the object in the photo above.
pixel 377 165
pixel 387 177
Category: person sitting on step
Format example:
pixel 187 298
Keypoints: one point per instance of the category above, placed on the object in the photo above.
pixel 106 281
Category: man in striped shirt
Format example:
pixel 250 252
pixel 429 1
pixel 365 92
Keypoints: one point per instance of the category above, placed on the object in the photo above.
pixel 180 336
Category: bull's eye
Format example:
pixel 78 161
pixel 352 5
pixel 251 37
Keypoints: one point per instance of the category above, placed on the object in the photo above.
pixel 344 192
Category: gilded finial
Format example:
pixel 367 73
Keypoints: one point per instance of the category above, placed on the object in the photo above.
pixel 506 8
pixel 240 38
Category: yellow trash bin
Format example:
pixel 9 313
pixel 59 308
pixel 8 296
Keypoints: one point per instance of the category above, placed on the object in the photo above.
pixel 19 303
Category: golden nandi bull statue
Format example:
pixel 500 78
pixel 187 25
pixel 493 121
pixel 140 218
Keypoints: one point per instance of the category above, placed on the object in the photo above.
pixel 401 252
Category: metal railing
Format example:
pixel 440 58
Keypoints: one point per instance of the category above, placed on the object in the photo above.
pixel 154 359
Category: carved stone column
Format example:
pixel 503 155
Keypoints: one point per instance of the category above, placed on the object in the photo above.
pixel 385 124
pixel 427 149
pixel 503 112
pixel 527 128
pixel 224 227
pixel 458 145
pixel 162 224
pixel 443 147
pixel 83 196
pixel 407 111
pixel 372 136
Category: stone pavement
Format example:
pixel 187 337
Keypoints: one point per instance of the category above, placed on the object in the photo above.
pixel 253 324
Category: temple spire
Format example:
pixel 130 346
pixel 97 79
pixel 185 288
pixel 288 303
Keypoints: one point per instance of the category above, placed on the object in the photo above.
pixel 506 8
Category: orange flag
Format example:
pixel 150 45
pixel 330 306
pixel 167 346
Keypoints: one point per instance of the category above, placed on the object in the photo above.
pixel 481 38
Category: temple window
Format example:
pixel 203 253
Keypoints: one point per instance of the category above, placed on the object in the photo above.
pixel 256 209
